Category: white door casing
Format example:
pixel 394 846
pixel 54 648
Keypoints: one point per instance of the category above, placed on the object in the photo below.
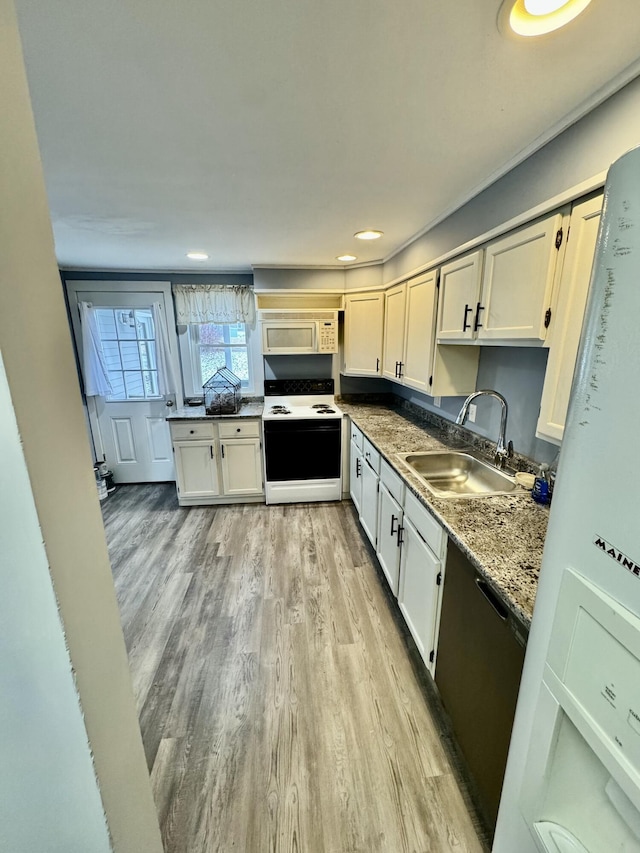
pixel 132 435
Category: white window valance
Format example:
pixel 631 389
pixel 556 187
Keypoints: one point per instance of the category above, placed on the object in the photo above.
pixel 214 303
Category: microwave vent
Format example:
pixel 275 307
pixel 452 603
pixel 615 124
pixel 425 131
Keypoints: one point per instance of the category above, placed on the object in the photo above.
pixel 299 301
pixel 298 315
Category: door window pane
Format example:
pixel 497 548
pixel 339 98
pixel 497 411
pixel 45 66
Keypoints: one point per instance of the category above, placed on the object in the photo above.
pixel 128 343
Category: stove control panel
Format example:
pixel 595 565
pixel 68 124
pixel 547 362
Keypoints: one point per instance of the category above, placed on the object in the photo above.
pixel 327 336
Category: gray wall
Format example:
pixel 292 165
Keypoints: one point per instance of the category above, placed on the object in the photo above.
pixel 300 279
pixel 298 366
pixel 518 374
pixel 580 152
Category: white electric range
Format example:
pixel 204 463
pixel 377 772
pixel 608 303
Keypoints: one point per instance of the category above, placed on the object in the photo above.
pixel 303 441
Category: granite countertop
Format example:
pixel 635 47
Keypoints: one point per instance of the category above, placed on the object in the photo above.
pixel 503 536
pixel 248 409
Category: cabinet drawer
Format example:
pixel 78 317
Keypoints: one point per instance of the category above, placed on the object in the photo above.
pixel 239 429
pixel 371 454
pixel 356 436
pixel 192 429
pixel 426 525
pixel 392 481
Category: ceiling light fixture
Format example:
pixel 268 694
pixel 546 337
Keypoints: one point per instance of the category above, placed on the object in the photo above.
pixel 197 256
pixel 368 234
pixel 538 17
pixel 346 258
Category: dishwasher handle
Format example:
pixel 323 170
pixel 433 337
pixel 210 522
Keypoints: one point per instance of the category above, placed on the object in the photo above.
pixel 492 598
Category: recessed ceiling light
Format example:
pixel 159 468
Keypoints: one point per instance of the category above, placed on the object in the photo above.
pixel 369 234
pixel 538 17
pixel 197 256
pixel 346 258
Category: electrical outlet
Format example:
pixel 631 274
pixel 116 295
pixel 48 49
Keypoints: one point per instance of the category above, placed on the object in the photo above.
pixel 437 401
pixel 472 412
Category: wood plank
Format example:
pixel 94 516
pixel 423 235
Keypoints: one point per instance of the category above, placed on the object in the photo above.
pixel 282 703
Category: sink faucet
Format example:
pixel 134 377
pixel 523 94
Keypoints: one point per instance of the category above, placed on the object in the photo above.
pixel 501 449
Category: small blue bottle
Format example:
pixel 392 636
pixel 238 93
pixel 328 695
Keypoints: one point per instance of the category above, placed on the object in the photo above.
pixel 541 493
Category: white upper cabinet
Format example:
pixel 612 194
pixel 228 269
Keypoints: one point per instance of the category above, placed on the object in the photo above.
pixel 517 283
pixel 459 294
pixel 394 316
pixel 411 356
pixel 503 293
pixel 364 313
pixel 567 317
pixel 420 317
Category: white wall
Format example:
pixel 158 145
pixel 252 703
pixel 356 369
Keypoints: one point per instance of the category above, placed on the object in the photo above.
pixel 49 797
pixel 35 343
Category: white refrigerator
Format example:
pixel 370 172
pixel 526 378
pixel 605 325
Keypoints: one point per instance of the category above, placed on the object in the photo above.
pixel 573 776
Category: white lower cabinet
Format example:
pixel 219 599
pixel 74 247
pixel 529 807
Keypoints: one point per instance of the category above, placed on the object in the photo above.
pixel 369 505
pixel 410 544
pixel 419 594
pixel 390 516
pixel 355 467
pixel 241 464
pixel 217 462
pixel 196 468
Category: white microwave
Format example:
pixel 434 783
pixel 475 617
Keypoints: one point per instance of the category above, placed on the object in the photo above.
pixel 295 333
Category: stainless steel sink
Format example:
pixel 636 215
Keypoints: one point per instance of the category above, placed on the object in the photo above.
pixel 452 474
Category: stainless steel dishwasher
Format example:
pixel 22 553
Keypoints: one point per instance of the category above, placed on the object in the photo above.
pixel 480 656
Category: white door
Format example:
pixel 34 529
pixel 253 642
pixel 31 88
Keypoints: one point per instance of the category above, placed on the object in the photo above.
pixel 422 297
pixel 566 323
pixel 518 281
pixel 369 504
pixel 394 332
pixel 130 424
pixel 241 464
pixel 459 294
pixel 418 596
pixel 363 334
pixel 387 548
pixel 356 463
pixel 197 468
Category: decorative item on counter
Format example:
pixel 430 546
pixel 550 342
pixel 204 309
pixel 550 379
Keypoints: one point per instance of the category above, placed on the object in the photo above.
pixel 541 493
pixel 222 394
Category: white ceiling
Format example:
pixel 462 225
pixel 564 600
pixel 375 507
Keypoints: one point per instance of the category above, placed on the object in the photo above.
pixel 268 131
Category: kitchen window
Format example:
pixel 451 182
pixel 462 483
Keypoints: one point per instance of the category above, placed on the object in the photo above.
pixel 205 347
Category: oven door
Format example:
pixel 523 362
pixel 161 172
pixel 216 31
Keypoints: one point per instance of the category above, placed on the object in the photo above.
pixel 302 449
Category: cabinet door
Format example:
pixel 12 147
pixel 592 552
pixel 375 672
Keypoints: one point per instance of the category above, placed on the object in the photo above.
pixel 388 548
pixel 241 464
pixel 459 294
pixel 369 504
pixel 566 322
pixel 364 313
pixel 418 596
pixel 196 469
pixel 355 475
pixel 518 282
pixel 394 310
pixel 419 329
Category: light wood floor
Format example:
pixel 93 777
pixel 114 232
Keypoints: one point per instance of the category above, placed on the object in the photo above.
pixel 280 700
